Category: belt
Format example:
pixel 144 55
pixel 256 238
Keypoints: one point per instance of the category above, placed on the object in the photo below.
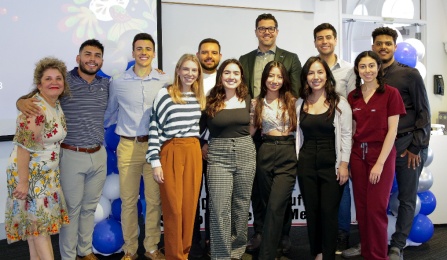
pixel 403 134
pixel 140 139
pixel 279 139
pixel 81 149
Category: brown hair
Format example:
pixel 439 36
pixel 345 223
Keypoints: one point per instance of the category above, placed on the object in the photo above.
pixel 216 100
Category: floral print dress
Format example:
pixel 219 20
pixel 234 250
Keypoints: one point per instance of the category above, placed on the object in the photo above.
pixel 44 210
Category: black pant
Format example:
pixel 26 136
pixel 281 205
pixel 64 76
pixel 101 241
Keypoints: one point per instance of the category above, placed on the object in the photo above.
pixel 321 194
pixel 196 235
pixel 276 171
pixel 407 182
pixel 256 201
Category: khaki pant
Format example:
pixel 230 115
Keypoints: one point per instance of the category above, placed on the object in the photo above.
pixel 181 160
pixel 82 179
pixel 132 165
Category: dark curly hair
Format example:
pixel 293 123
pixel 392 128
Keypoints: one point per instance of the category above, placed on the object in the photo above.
pixel 216 100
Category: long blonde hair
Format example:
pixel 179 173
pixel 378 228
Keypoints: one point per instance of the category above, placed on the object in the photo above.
pixel 174 90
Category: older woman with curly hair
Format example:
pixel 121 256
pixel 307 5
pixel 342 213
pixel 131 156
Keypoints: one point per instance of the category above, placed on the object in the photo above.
pixel 35 206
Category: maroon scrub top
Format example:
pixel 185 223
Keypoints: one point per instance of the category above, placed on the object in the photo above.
pixel 372 118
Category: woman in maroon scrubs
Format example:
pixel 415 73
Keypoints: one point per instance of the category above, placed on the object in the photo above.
pixel 376 108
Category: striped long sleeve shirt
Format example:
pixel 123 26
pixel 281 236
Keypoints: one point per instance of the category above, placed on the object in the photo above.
pixel 170 120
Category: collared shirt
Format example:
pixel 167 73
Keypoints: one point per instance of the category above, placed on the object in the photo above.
pixel 412 89
pixel 209 81
pixel 262 58
pixel 132 97
pixel 344 75
pixel 84 109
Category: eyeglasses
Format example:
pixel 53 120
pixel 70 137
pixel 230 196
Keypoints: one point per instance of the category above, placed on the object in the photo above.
pixel 263 29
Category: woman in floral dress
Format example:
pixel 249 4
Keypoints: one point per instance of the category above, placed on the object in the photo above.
pixel 35 206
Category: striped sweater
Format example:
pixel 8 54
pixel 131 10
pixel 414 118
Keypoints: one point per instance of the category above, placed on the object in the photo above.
pixel 170 120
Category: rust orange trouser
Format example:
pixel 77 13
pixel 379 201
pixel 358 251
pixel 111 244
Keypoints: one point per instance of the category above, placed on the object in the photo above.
pixel 181 161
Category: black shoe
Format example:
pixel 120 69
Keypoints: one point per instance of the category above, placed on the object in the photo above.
pixel 254 243
pixel 342 242
pixel 196 250
pixel 286 244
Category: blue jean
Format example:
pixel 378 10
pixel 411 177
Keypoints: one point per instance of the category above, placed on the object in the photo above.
pixel 344 211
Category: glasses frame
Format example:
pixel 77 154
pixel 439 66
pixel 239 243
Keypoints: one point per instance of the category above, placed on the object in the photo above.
pixel 263 29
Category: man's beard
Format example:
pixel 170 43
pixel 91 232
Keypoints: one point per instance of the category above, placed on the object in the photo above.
pixel 84 70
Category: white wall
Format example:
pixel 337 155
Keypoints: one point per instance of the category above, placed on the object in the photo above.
pixel 436 56
pixel 438 144
pixel 232 23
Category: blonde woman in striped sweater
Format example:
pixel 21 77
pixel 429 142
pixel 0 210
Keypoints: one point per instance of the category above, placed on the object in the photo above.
pixel 175 155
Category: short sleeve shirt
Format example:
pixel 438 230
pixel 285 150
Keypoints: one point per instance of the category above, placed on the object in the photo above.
pixel 372 118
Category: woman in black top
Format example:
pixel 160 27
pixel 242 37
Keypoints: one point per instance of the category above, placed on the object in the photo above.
pixel 323 142
pixel 231 161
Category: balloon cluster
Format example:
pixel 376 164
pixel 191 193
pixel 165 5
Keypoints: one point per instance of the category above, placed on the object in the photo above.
pixel 422 229
pixel 107 233
pixel 411 52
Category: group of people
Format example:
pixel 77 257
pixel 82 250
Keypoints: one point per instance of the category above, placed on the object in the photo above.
pixel 251 127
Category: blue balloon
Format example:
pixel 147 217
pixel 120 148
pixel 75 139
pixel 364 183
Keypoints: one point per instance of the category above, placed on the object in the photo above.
pixel 406 54
pixel 428 202
pixel 108 236
pixel 116 209
pixel 394 188
pixel 111 138
pixel 102 74
pixel 112 162
pixel 139 207
pixel 142 187
pixel 130 64
pixel 422 229
pixel 143 207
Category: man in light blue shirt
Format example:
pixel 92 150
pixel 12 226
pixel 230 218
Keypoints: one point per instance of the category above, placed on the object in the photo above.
pixel 130 101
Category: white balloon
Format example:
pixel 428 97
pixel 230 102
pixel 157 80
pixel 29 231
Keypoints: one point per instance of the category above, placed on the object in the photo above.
pixel 421 68
pixel 111 188
pixel 411 243
pixel 102 209
pixel 429 157
pixel 425 180
pixel 418 45
pixel 418 206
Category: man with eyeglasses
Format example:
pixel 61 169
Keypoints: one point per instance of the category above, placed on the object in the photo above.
pixel 253 64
